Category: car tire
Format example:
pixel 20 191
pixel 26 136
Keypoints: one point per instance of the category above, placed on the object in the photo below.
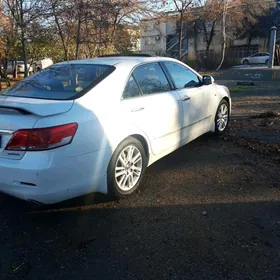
pixel 246 62
pixel 266 62
pixel 125 172
pixel 222 117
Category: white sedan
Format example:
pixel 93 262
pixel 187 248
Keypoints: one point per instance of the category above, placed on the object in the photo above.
pixel 95 125
pixel 257 58
pixel 20 67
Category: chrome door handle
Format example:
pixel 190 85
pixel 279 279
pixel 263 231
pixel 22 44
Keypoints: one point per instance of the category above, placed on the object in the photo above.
pixel 185 98
pixel 137 109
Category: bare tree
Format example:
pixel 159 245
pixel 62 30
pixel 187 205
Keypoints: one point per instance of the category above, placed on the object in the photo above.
pixel 103 21
pixel 24 12
pixel 225 11
pixel 208 15
pixel 90 27
pixel 181 7
pixel 236 15
pixel 59 13
pixel 8 40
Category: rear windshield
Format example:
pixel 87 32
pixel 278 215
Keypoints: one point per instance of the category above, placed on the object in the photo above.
pixel 61 82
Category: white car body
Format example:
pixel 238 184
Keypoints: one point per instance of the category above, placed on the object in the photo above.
pixel 42 64
pixel 164 121
pixel 257 58
pixel 20 67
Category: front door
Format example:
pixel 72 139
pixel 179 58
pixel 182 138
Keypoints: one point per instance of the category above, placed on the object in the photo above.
pixel 196 99
pixel 153 107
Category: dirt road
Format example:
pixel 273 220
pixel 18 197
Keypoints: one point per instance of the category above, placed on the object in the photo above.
pixel 211 210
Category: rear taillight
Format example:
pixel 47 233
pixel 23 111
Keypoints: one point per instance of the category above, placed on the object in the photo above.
pixel 40 139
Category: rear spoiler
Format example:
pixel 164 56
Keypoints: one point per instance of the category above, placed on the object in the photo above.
pixel 36 106
pixel 22 111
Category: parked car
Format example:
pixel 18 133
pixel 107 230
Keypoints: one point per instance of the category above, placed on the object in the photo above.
pixel 257 58
pixel 42 64
pixel 20 67
pixel 96 125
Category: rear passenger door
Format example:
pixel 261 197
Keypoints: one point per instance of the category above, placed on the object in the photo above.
pixel 152 106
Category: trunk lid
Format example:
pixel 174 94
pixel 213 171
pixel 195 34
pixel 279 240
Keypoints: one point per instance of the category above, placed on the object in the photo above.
pixel 39 107
pixel 22 113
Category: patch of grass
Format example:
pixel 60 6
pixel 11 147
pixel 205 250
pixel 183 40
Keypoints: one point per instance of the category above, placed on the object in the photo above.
pixel 240 88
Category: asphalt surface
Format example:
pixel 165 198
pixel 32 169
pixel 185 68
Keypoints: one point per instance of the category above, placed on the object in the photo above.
pixel 210 210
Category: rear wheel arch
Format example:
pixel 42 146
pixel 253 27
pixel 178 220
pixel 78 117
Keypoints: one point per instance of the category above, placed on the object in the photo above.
pixel 142 139
pixel 140 143
pixel 144 143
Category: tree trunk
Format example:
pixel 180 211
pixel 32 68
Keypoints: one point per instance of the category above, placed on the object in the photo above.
pixel 78 31
pixel 249 45
pixel 22 38
pixel 5 64
pixel 207 55
pixel 15 69
pixel 78 39
pixel 24 55
pixel 224 36
pixel 209 39
pixel 180 35
pixel 61 36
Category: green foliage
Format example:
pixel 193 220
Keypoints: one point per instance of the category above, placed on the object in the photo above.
pixel 239 88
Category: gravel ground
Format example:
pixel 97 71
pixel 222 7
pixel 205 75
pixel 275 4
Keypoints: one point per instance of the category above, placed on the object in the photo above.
pixel 210 210
pixel 247 103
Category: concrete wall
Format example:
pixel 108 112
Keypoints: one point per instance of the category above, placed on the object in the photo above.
pixel 153 36
pixel 171 26
pixel 262 42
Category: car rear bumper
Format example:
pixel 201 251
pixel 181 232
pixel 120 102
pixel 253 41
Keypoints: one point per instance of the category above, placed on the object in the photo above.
pixel 47 181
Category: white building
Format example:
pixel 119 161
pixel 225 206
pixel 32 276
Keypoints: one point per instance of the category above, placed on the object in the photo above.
pixel 135 40
pixel 160 37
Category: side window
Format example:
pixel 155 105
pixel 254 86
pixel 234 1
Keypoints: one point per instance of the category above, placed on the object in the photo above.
pixel 151 78
pixel 131 89
pixel 182 76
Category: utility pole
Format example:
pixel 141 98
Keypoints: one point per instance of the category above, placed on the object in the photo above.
pixel 272 42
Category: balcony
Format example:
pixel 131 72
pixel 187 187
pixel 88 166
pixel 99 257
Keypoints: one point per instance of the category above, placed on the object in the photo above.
pixel 172 46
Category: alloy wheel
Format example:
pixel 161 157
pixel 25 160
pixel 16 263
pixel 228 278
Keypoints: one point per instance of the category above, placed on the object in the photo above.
pixel 222 117
pixel 128 168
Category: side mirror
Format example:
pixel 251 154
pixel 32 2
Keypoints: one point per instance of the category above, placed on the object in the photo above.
pixel 208 80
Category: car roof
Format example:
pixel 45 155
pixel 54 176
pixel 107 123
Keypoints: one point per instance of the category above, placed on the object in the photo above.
pixel 131 60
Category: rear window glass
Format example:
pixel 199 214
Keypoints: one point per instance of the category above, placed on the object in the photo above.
pixel 61 82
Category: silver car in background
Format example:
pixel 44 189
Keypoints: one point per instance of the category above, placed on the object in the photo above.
pixel 257 58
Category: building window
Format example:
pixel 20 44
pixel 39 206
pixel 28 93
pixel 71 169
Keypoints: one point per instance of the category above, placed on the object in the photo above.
pixel 149 41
